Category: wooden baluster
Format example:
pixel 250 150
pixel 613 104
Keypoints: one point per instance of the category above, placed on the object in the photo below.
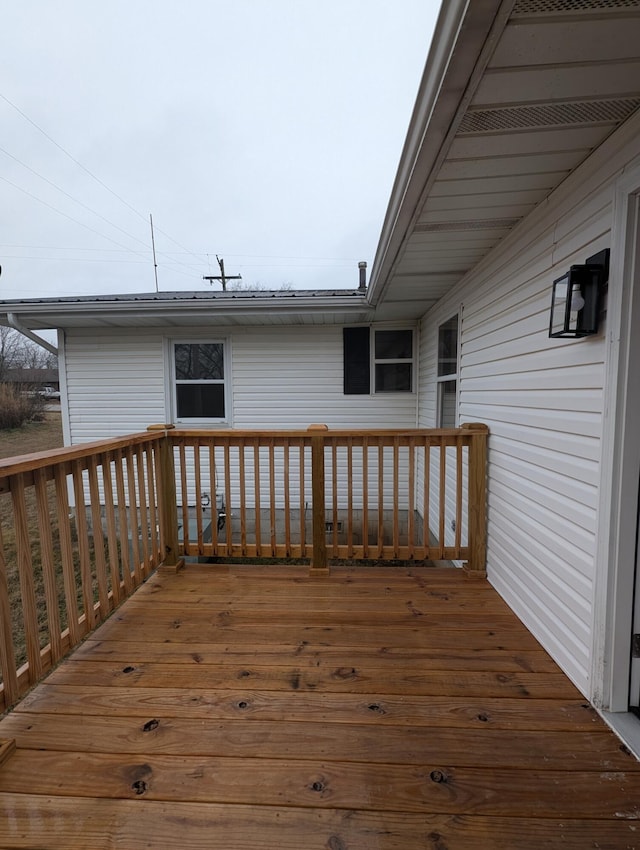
pixel 349 498
pixel 228 528
pixel 272 498
pixel 48 564
pixel 303 501
pixel 213 479
pixel 396 495
pixel 150 462
pixel 380 497
pixel 143 511
pixel 98 540
pixel 287 499
pixel 7 654
pixel 459 482
pixel 319 553
pixel 243 497
pixel 426 498
pixel 411 529
pixel 66 552
pixel 365 497
pixel 112 530
pixel 334 493
pixel 25 573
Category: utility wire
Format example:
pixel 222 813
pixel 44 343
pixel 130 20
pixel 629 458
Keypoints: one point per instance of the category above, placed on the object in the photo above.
pixel 90 173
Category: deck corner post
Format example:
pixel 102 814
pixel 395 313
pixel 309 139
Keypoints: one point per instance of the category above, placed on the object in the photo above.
pixel 167 500
pixel 319 555
pixel 478 432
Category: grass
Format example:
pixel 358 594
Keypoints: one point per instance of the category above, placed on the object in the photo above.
pixel 32 437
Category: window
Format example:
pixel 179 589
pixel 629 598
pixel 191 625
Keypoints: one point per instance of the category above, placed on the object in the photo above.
pixel 447 373
pixel 199 370
pixel 386 355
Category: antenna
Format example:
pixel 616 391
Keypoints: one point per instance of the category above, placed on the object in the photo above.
pixel 153 245
pixel 222 277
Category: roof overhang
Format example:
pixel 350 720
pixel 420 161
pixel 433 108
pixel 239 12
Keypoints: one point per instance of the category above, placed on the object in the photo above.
pixel 190 309
pixel 514 97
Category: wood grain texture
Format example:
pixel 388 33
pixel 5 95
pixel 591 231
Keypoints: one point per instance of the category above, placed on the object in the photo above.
pixel 231 707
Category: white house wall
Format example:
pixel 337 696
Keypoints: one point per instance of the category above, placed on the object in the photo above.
pixel 543 402
pixel 281 378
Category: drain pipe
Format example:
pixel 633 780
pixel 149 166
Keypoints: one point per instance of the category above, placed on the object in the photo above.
pixel 13 322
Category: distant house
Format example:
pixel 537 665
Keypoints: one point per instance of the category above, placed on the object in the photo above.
pixel 36 378
pixel 522 160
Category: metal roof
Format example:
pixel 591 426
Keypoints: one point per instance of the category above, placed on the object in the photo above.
pixel 189 309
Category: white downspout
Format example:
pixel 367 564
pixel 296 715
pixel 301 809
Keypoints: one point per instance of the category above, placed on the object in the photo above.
pixel 12 319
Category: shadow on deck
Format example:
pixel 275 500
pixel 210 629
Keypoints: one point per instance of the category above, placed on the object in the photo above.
pixel 251 707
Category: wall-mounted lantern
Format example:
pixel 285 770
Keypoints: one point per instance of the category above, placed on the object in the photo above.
pixel 575 302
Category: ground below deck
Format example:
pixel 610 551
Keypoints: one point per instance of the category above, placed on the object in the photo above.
pixel 257 708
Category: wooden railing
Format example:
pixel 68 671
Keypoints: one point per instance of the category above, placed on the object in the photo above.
pixel 81 528
pixel 79 532
pixel 320 494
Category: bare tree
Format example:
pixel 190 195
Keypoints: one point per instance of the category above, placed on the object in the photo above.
pixel 18 352
pixel 10 350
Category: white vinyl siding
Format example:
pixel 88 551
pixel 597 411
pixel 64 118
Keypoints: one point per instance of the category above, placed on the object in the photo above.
pixel 543 402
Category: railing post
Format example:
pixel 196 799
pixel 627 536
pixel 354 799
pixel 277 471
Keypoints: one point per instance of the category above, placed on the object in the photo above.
pixel 477 499
pixel 319 556
pixel 168 505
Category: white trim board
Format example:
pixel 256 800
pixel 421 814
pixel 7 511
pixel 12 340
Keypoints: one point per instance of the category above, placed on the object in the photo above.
pixel 615 547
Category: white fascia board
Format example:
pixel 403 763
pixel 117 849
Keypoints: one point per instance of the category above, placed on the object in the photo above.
pixel 58 313
pixel 463 41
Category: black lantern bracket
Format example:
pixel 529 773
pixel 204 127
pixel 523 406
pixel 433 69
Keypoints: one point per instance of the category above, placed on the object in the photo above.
pixel 575 300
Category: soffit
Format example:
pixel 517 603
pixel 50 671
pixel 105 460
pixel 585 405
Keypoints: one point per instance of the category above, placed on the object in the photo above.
pixel 561 76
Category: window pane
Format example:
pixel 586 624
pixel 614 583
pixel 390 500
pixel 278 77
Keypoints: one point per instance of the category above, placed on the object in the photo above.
pixel 393 377
pixel 394 345
pixel 447 404
pixel 199 361
pixel 201 401
pixel 448 347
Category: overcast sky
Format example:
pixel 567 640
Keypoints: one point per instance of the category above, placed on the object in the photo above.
pixel 267 132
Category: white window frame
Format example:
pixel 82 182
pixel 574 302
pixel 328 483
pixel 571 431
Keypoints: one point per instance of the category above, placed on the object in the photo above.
pixel 451 377
pixel 172 382
pixel 375 361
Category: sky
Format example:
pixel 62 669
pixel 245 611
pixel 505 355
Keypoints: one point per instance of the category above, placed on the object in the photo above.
pixel 264 132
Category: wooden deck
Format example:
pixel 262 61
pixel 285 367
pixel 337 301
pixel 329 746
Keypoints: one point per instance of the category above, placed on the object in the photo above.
pixel 257 708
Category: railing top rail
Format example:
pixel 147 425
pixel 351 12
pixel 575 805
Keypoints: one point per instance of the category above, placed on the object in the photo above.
pixel 38 460
pixel 231 433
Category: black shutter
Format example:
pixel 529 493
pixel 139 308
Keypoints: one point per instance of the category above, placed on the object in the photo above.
pixel 357 380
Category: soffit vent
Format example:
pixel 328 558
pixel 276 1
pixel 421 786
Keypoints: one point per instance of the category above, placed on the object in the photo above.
pixel 532 7
pixel 549 115
pixel 485 224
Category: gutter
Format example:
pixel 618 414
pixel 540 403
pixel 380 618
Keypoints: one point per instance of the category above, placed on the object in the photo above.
pixel 13 322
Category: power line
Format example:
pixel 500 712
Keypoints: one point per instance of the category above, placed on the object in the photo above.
pixel 75 200
pixel 89 172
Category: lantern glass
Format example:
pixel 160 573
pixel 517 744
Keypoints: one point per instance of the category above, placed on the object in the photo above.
pixel 575 302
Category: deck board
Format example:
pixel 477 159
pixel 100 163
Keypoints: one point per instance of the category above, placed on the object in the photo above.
pixel 238 707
